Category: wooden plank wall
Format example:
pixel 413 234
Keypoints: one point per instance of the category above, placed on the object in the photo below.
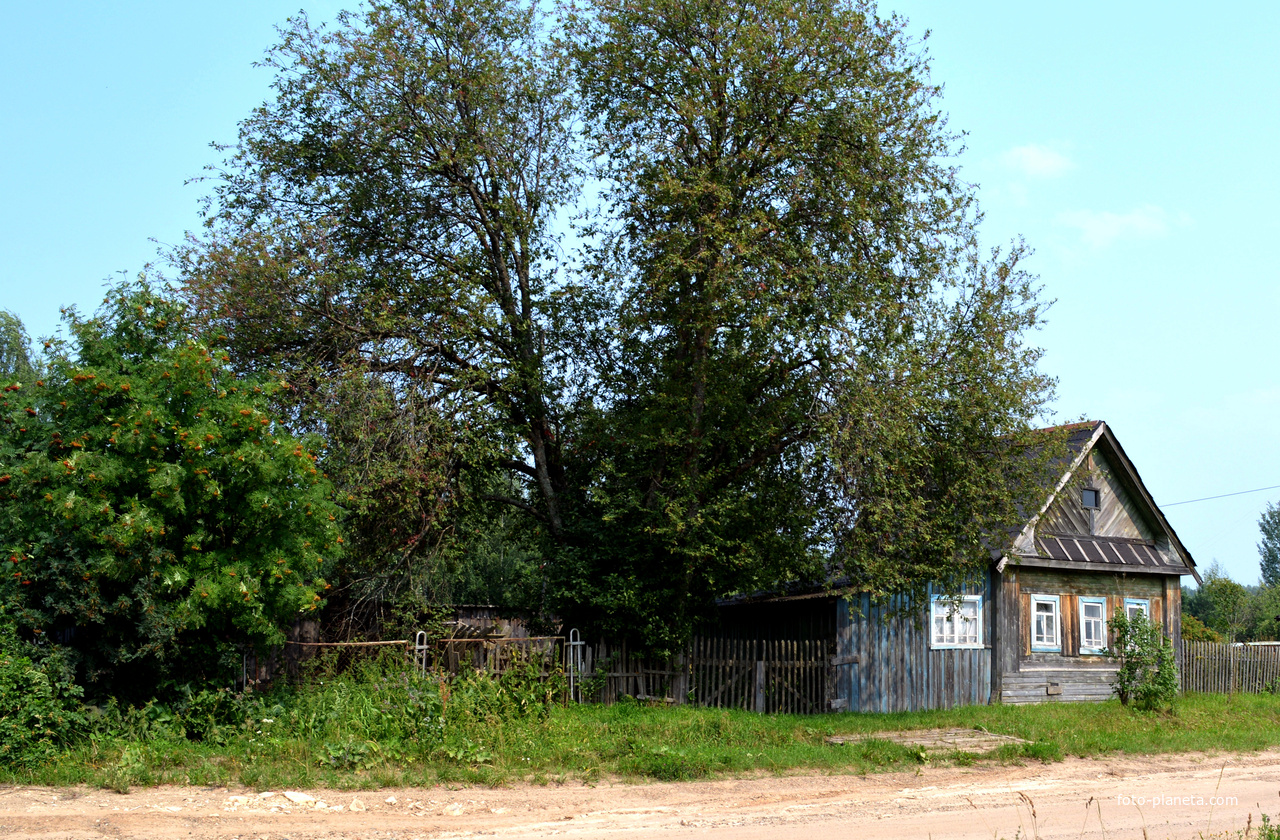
pixel 1229 669
pixel 1069 586
pixel 894 667
pixel 1070 685
pixel 1120 514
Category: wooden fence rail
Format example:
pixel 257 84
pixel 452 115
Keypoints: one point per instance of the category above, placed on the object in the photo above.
pixel 775 676
pixel 1229 669
pixel 766 676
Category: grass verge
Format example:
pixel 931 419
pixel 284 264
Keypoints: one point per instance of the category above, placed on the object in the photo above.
pixel 378 729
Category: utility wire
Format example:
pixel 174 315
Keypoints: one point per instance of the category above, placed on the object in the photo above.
pixel 1223 496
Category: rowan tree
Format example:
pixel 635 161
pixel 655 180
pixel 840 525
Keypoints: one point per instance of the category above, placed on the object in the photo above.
pixel 157 519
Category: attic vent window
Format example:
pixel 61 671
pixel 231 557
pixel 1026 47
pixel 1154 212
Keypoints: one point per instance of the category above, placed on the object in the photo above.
pixel 1089 498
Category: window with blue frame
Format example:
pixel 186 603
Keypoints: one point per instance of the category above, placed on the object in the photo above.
pixel 1093 625
pixel 1134 606
pixel 956 623
pixel 1046 623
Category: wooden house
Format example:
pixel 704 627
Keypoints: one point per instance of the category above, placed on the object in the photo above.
pixel 1032 628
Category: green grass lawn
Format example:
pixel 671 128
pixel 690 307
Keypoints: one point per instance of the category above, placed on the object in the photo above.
pixel 333 736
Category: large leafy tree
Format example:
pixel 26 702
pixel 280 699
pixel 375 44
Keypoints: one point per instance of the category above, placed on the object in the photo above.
pixel 383 230
pixel 782 355
pixel 156 516
pixel 813 360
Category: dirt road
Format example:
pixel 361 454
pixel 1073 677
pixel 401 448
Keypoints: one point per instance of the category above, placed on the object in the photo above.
pixel 1168 796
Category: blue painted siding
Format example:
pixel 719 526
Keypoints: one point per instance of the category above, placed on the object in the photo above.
pixel 896 669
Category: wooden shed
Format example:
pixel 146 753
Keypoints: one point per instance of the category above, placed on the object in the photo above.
pixel 1033 626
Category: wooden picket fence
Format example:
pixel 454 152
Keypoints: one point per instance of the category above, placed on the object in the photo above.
pixel 610 672
pixel 1230 669
pixel 759 675
pixel 775 676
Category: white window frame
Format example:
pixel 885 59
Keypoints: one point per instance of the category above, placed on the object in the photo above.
pixel 943 608
pixel 1142 604
pixel 1085 620
pixel 1054 645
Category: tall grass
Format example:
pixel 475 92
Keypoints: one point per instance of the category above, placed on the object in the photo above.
pixel 383 725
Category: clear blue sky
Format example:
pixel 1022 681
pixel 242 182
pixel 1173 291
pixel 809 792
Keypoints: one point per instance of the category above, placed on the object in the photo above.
pixel 1132 145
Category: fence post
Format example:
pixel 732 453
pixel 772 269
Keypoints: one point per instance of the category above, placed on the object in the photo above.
pixel 759 693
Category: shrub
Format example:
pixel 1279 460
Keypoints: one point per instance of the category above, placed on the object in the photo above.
pixel 152 506
pixel 39 709
pixel 520 691
pixel 1147 678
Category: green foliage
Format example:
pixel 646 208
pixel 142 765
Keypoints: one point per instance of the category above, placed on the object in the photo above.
pixel 1231 611
pixel 1224 605
pixel 155 514
pixel 16 364
pixel 382 703
pixel 1148 676
pixel 1195 630
pixel 1269 547
pixel 39 708
pixel 521 691
pixel 779 342
pixel 388 244
pixel 1267 831
pixel 319 734
pixel 810 352
pixel 1264 614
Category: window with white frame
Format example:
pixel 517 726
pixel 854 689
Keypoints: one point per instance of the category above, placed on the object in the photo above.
pixel 1046 623
pixel 956 623
pixel 1093 625
pixel 1135 606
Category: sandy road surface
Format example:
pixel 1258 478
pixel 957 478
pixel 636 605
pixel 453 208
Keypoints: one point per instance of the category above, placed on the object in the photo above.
pixel 1199 796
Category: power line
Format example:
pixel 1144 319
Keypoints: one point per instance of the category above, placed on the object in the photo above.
pixel 1223 496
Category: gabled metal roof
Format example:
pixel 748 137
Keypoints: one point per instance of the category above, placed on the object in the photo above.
pixel 1088 552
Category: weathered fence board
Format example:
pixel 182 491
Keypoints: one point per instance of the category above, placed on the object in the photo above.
pixel 753 674
pixel 1229 669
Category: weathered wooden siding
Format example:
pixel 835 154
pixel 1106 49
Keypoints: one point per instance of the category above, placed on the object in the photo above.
pixel 885 662
pixel 1120 515
pixel 1058 685
pixel 1070 586
pixel 1028 676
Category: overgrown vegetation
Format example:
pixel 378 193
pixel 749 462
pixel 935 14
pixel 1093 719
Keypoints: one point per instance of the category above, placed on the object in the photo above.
pixel 40 709
pixel 771 350
pixel 382 725
pixel 768 346
pixel 1222 609
pixel 1147 676
pixel 155 516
